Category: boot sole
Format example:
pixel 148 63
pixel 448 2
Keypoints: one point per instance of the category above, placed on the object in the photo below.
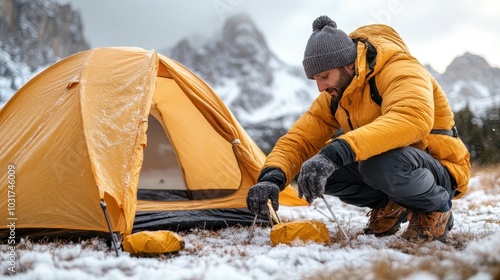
pixel 396 225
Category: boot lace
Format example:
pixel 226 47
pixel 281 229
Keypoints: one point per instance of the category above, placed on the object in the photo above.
pixel 423 221
pixel 375 217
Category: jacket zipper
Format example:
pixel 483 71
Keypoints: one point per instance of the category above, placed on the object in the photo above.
pixel 348 117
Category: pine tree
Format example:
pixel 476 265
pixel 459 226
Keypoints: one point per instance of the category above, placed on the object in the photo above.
pixel 470 132
pixel 491 136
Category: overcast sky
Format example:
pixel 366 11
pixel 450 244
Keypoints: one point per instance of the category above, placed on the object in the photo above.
pixel 435 31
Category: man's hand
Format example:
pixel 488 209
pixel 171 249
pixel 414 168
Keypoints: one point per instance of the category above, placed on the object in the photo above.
pixel 259 194
pixel 313 175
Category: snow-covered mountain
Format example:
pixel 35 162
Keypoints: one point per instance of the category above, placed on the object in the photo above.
pixel 267 95
pixel 469 79
pixel 33 35
pixel 264 93
pixel 251 80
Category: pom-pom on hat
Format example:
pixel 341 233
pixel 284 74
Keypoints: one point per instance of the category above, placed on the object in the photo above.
pixel 327 48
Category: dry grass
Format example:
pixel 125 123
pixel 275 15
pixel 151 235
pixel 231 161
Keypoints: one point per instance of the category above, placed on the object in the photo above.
pixel 391 269
pixel 433 260
pixel 428 258
pixel 490 177
pixel 393 258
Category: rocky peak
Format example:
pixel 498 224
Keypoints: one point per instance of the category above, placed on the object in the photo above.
pixel 244 41
pixel 468 67
pixel 39 32
pixel 470 80
pixel 237 62
pixel 33 35
pixel 466 60
pixel 232 52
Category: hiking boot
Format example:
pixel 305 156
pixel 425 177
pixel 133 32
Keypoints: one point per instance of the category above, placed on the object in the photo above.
pixel 387 220
pixel 429 226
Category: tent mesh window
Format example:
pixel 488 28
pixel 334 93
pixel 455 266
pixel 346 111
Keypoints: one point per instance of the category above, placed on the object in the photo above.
pixel 161 177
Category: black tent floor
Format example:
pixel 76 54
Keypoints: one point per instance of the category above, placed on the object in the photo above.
pixel 212 219
pixel 36 234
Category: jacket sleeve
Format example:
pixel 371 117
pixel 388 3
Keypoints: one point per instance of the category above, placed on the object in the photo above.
pixel 407 111
pixel 304 139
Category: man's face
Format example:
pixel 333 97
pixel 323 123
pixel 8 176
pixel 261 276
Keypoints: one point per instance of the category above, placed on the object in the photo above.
pixel 334 81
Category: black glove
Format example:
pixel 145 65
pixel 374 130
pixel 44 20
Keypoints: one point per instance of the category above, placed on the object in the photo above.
pixel 259 194
pixel 313 175
pixel 271 182
pixel 316 170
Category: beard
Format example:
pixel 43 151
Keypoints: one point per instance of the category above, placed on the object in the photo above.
pixel 344 80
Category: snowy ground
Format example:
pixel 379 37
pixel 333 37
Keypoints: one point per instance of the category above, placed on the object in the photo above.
pixel 472 250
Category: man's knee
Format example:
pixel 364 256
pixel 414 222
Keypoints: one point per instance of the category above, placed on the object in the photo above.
pixel 380 171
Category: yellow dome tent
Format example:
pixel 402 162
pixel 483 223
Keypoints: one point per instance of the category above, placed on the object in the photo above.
pixel 74 139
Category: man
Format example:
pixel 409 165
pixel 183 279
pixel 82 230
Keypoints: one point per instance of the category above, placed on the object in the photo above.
pixel 400 154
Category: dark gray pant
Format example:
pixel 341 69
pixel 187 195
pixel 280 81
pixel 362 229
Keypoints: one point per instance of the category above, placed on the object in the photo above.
pixel 407 176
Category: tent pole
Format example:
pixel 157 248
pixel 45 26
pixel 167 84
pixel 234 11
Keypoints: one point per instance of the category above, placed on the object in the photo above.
pixel 113 240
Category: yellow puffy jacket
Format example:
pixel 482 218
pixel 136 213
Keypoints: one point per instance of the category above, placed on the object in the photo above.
pixel 413 104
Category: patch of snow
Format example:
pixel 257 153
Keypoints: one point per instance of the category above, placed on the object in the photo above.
pixel 225 254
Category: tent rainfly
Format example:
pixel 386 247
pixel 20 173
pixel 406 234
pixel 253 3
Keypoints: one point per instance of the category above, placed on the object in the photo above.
pixel 123 140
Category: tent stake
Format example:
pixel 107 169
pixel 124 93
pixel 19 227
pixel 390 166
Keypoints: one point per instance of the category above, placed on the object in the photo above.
pixel 113 240
pixel 336 220
pixel 252 228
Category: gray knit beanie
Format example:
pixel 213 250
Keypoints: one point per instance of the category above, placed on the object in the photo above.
pixel 327 48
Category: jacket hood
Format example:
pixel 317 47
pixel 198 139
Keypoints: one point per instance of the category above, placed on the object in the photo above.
pixel 387 41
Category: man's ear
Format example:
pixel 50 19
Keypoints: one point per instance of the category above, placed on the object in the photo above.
pixel 350 66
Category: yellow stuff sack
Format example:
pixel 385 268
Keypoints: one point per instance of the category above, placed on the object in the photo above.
pixel 286 233
pixel 153 242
